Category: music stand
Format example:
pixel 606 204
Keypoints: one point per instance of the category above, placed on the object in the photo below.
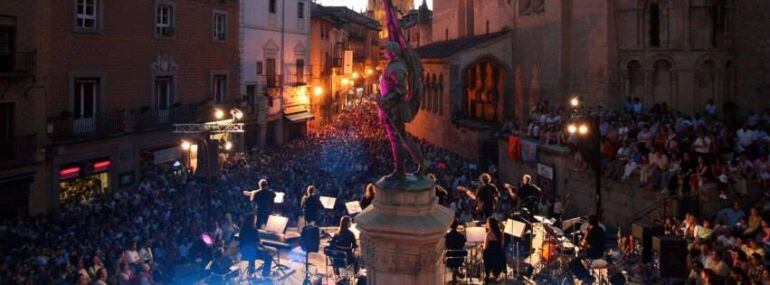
pixel 516 229
pixel 353 207
pixel 276 224
pixel 328 202
pixel 279 197
pixel 475 234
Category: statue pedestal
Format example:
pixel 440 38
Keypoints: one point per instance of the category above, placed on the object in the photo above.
pixel 402 233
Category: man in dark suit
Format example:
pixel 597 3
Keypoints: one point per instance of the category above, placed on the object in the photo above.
pixel 311 205
pixel 264 200
pixel 251 246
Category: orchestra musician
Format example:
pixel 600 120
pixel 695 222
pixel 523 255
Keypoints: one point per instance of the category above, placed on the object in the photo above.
pixel 486 196
pixel 494 253
pixel 264 201
pixel 345 241
pixel 455 245
pixel 594 240
pixel 311 205
pixel 251 246
pixel 441 192
pixel 528 193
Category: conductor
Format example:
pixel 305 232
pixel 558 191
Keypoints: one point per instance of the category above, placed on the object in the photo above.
pixel 264 201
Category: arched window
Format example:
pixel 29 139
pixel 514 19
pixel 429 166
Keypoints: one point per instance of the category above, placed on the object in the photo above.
pixel 635 79
pixel 705 81
pixel 484 86
pixel 424 99
pixel 487 26
pixel 653 19
pixel 662 83
pixel 440 94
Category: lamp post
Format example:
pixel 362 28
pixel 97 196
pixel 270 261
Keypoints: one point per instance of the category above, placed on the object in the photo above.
pixel 588 127
pixel 201 134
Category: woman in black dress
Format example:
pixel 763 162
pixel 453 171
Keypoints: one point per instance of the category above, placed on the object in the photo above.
pixel 494 254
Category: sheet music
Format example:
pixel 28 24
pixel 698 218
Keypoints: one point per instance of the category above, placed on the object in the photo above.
pixel 475 234
pixel 515 228
pixel 353 207
pixel 278 197
pixel 328 202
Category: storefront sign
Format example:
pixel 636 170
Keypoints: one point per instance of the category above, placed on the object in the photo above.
pixel 102 166
pixel 69 173
pixel 545 171
pixel 166 155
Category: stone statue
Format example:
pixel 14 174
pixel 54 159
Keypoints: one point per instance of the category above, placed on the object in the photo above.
pixel 401 87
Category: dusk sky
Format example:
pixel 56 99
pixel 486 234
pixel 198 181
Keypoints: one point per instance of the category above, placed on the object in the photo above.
pixel 360 5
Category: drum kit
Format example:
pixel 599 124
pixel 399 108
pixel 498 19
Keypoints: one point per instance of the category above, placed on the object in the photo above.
pixel 554 249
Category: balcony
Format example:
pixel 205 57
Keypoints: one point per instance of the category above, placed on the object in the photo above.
pixel 101 124
pixel 18 151
pixel 17 65
pixel 274 81
pixel 155 119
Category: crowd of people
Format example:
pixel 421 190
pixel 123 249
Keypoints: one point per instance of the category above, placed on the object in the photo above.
pixel 140 234
pixel 667 150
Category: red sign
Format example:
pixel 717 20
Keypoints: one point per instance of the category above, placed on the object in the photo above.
pixel 102 166
pixel 68 173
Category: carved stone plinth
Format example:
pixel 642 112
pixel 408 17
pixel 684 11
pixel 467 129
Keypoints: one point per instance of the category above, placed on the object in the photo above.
pixel 402 233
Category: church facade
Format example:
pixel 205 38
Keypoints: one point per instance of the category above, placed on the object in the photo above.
pixel 674 54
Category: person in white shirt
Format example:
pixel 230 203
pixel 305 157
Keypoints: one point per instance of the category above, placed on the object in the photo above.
pixel 131 255
pixel 146 253
pixel 702 144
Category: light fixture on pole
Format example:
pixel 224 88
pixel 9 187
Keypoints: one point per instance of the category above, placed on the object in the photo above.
pixel 318 91
pixel 185 145
pixel 219 114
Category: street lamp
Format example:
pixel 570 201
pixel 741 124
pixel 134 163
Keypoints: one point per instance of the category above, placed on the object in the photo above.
pixel 228 145
pixel 356 75
pixel 185 145
pixel 318 91
pixel 581 127
pixel 369 72
pixel 574 102
pixel 345 81
pixel 219 114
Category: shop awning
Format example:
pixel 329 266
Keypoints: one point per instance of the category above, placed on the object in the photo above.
pixel 300 117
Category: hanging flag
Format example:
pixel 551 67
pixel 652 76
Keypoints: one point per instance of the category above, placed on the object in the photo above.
pixel 514 147
pixel 528 150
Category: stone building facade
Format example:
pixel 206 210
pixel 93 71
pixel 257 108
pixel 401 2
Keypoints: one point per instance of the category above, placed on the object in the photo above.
pixel 681 53
pixel 274 68
pixel 110 77
pixel 417 26
pixel 376 10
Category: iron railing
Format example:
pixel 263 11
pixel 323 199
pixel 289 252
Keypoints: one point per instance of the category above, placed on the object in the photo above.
pixel 163 118
pixel 97 125
pixel 18 150
pixel 17 64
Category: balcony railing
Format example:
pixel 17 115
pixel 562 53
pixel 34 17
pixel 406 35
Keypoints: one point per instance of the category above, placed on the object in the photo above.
pixel 19 150
pixel 274 81
pixel 100 124
pixel 162 118
pixel 18 64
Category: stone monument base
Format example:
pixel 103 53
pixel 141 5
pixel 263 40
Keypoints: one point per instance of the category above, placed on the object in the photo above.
pixel 402 233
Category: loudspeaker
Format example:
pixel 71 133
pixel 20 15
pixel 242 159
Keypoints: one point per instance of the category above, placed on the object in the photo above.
pixel 671 253
pixel 643 234
pixel 310 240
